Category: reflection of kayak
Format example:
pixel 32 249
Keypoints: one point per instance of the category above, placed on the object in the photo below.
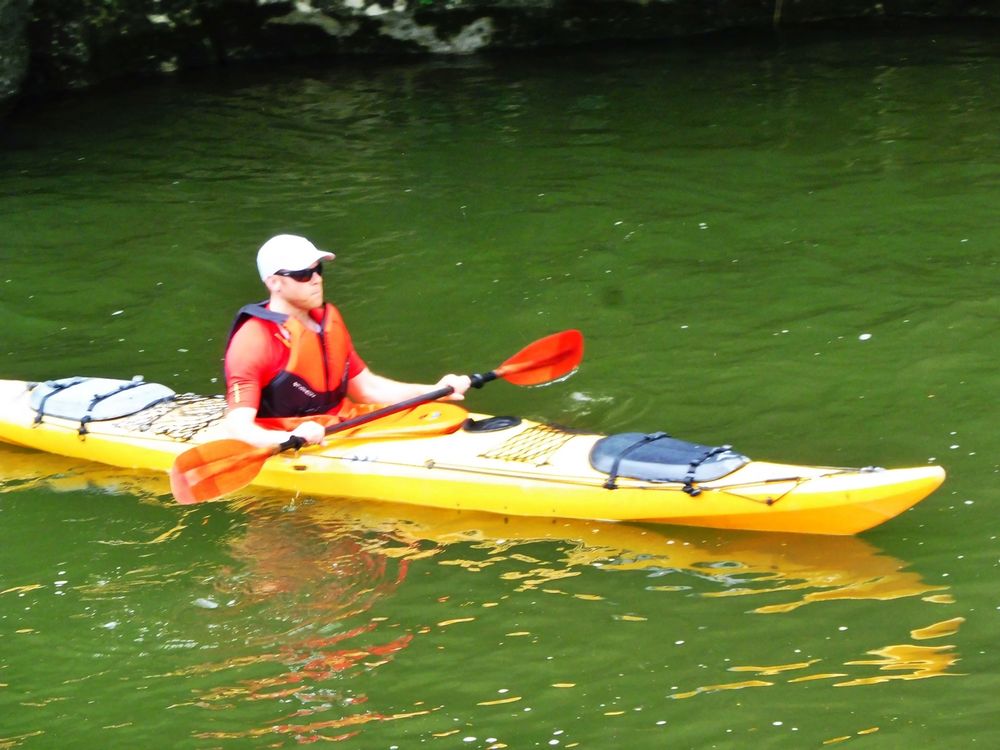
pixel 813 568
pixel 439 456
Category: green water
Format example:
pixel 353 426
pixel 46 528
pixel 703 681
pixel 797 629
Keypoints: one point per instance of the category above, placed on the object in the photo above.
pixel 788 247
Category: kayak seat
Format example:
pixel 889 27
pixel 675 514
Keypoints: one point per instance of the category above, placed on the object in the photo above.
pixel 84 400
pixel 657 457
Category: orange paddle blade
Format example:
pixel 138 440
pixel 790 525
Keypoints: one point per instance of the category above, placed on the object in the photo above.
pixel 208 471
pixel 545 360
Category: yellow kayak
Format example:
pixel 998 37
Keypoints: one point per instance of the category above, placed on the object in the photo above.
pixel 438 455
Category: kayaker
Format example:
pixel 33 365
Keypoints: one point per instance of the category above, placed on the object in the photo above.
pixel 292 356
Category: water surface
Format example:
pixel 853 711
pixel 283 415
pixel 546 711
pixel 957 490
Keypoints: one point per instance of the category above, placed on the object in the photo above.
pixel 790 247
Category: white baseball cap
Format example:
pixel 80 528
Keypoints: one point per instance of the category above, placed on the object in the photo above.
pixel 288 252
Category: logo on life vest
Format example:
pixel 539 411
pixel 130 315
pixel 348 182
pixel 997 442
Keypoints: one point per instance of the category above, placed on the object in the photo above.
pixel 299 386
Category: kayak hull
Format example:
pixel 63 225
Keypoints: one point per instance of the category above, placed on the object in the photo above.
pixel 525 469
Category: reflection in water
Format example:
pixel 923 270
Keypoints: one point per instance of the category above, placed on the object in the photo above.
pixel 907 662
pixel 299 592
pixel 811 568
pixel 319 582
pixel 904 662
pixel 304 580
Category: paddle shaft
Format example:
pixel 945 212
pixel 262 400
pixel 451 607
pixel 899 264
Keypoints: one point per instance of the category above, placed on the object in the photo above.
pixel 478 381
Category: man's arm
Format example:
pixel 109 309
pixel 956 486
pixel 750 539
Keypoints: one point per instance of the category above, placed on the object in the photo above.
pixel 241 425
pixel 368 388
pixel 251 361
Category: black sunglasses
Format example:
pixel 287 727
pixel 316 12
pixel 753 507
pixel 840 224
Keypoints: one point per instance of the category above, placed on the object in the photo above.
pixel 303 275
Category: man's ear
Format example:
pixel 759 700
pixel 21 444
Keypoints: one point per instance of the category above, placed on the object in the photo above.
pixel 272 283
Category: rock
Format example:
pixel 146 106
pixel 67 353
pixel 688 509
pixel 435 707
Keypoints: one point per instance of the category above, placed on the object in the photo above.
pixel 13 47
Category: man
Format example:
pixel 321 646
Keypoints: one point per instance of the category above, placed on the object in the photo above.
pixel 292 355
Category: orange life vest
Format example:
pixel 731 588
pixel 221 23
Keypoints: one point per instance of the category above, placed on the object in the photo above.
pixel 314 380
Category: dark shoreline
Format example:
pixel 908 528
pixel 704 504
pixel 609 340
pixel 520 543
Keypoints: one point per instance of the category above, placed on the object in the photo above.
pixel 37 89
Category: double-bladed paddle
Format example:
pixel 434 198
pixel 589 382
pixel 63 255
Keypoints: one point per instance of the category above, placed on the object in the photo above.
pixel 211 470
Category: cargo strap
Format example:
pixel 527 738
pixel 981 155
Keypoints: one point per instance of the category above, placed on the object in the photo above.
pixel 689 486
pixel 97 399
pixel 126 386
pixel 56 388
pixel 612 481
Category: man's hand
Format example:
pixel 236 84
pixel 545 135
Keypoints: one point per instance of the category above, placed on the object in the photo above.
pixel 460 384
pixel 312 432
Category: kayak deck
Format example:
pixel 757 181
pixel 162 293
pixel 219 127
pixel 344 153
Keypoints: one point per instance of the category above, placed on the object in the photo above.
pixel 523 469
